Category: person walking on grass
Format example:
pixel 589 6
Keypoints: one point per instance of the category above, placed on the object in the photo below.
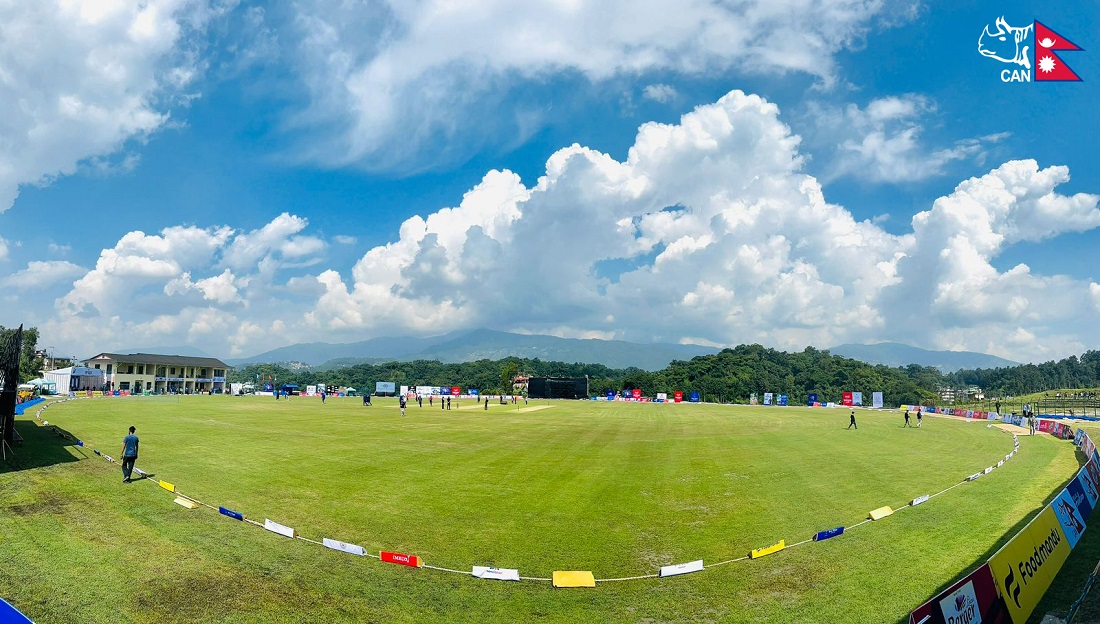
pixel 907 424
pixel 853 420
pixel 919 416
pixel 402 402
pixel 129 455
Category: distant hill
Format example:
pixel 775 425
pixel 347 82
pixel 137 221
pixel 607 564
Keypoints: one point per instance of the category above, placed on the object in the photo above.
pixel 468 346
pixel 897 354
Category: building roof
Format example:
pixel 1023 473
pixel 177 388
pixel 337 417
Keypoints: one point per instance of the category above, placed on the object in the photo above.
pixel 165 360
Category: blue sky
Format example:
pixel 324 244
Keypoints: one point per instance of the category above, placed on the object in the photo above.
pixel 238 176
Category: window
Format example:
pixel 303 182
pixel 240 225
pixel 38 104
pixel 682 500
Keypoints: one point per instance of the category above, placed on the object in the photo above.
pixel 125 385
pixel 97 366
pixel 148 385
pixel 109 366
pixel 130 369
pixel 141 369
pixel 173 371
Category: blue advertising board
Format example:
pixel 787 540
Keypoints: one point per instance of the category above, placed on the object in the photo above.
pixel 694 398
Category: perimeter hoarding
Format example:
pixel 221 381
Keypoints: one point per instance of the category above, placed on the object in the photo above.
pixel 973 600
pixel 1026 566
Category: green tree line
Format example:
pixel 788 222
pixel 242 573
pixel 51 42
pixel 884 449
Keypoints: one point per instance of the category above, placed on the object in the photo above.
pixel 731 375
pixel 1072 372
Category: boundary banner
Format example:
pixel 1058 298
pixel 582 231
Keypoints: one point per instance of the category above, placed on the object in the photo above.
pixel 495 574
pixel 767 550
pixel 1026 566
pixel 351 549
pixel 1069 516
pixel 972 599
pixel 400 559
pixel 681 568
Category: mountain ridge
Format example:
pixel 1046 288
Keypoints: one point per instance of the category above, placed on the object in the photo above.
pixel 898 354
pixel 477 344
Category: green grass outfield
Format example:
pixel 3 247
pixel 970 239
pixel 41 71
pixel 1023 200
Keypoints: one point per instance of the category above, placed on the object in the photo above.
pixel 619 489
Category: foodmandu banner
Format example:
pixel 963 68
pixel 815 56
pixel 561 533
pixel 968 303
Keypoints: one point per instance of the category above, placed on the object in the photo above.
pixel 973 599
pixel 1026 566
pixel 876 400
pixel 857 398
pixel 846 399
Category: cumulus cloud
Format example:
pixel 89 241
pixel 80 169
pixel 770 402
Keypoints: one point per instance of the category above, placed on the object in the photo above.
pixel 709 231
pixel 729 241
pixel 389 80
pixel 883 141
pixel 43 274
pixel 660 93
pixel 80 79
pixel 183 280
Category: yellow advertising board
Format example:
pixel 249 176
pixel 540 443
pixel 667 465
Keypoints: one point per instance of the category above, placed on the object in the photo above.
pixel 574 578
pixel 767 550
pixel 1026 566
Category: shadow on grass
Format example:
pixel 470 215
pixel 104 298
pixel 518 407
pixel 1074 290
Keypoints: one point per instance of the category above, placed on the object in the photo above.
pixel 1007 537
pixel 41 446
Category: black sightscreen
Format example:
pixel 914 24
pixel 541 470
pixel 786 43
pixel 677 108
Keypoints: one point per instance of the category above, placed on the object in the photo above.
pixel 557 387
pixel 10 348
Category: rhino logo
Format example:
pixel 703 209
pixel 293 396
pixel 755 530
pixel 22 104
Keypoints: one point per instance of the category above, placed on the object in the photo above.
pixel 1005 45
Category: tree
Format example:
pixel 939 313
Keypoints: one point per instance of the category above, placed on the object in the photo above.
pixel 29 364
pixel 508 374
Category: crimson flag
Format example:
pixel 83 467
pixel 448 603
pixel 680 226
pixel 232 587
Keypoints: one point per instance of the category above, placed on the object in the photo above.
pixel 1048 65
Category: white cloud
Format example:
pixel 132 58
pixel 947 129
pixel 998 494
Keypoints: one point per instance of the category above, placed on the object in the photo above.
pixel 883 141
pixel 43 274
pixel 3 249
pixel 388 80
pixel 344 239
pixel 81 78
pixel 744 247
pixel 719 236
pixel 280 237
pixel 660 93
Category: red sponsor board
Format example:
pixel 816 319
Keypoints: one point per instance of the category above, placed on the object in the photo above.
pixel 455 391
pixel 636 393
pixel 678 396
pixel 846 399
pixel 400 559
pixel 1045 425
pixel 973 599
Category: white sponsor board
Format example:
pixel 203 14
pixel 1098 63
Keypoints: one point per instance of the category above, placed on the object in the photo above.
pixel 962 605
pixel 682 568
pixel 344 547
pixel 275 527
pixel 988 469
pixel 662 396
pixel 497 574
pixel 920 499
pixel 876 400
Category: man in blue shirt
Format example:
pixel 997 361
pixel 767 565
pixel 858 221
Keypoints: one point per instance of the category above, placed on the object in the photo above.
pixel 129 455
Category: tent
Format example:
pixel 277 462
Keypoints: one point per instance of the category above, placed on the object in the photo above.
pixel 45 387
pixel 351 391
